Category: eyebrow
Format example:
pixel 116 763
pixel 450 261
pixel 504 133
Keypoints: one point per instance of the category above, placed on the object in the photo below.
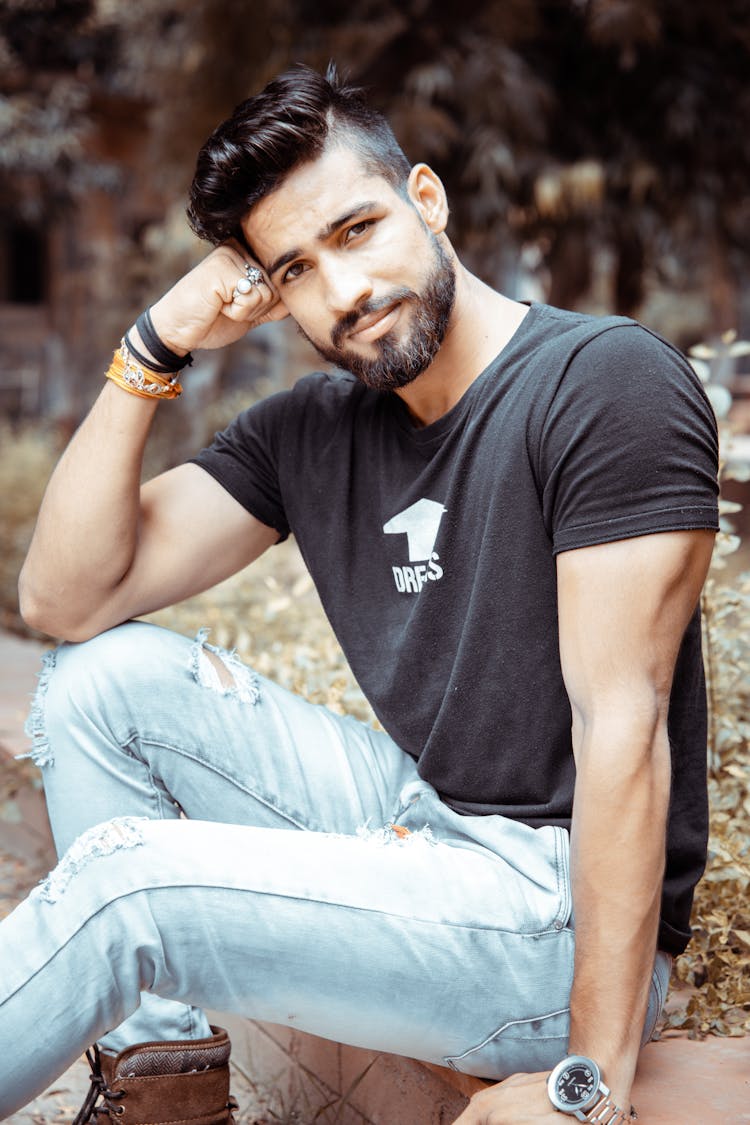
pixel 322 236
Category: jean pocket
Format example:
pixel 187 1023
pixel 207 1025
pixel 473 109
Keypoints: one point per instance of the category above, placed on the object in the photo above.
pixel 528 1045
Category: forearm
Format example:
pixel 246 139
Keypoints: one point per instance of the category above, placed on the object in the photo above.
pixel 618 851
pixel 104 550
pixel 87 530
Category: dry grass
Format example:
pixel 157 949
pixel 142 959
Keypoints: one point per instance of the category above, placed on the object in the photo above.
pixel 718 959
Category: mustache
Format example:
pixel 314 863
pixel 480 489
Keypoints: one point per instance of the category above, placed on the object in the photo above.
pixel 349 321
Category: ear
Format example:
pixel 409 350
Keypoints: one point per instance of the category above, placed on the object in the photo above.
pixel 426 191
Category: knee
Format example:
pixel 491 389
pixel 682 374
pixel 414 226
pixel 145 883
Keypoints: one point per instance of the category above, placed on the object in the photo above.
pixel 87 679
pixel 221 671
pixel 95 844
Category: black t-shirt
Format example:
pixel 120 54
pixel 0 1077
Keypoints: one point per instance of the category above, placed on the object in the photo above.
pixel 433 551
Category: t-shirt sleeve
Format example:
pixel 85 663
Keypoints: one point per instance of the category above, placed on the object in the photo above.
pixel 244 459
pixel 629 444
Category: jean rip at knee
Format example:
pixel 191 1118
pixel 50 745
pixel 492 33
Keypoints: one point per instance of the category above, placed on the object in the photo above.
pixel 102 840
pixel 221 671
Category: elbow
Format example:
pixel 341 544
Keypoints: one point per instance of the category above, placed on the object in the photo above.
pixel 628 739
pixel 46 614
pixel 31 606
pixel 636 715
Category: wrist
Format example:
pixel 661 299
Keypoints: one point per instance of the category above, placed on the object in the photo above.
pixel 134 335
pixel 166 361
pixel 578 1088
pixel 616 1054
pixel 167 333
pixel 617 1071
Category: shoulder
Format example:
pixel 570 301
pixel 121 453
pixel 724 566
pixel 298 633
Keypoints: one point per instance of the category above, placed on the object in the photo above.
pixel 327 387
pixel 582 338
pixel 615 342
pixel 616 359
pixel 323 396
pixel 312 397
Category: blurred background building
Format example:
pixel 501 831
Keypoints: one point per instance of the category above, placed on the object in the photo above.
pixel 596 154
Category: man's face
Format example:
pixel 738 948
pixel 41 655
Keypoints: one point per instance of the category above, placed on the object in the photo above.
pixel 356 266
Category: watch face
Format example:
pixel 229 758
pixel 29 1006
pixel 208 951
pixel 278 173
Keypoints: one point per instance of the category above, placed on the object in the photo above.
pixel 576 1083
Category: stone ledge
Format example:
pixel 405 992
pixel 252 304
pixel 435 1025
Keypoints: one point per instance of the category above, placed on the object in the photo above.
pixel 305 1074
pixel 680 1081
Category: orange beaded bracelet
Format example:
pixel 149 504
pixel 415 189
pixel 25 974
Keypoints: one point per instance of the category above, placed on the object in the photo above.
pixel 137 379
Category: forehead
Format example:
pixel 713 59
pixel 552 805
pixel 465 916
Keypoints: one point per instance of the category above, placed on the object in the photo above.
pixel 310 198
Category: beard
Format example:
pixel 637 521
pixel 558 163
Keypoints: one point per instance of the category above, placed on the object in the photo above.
pixel 398 362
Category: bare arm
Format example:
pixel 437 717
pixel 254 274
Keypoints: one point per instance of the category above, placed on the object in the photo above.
pixel 104 549
pixel 623 610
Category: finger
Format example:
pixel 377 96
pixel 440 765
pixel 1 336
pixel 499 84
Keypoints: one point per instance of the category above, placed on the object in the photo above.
pixel 229 266
pixel 278 311
pixel 472 1115
pixel 468 1117
pixel 252 276
pixel 246 296
pixel 240 249
pixel 249 306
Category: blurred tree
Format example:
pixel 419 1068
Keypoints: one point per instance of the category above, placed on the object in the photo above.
pixel 575 125
pixel 583 128
pixel 51 53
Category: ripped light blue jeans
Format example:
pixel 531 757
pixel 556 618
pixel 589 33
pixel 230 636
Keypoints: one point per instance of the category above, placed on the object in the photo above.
pixel 226 844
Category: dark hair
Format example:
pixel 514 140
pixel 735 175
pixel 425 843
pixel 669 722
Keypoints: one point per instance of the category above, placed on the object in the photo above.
pixel 288 123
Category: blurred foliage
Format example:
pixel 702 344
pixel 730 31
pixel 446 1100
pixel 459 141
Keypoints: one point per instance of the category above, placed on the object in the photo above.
pixel 717 962
pixel 563 124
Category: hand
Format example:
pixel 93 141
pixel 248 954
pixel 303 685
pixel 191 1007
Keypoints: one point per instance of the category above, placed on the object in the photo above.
pixel 521 1099
pixel 202 311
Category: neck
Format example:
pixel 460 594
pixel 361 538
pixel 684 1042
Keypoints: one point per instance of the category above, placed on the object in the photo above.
pixel 481 324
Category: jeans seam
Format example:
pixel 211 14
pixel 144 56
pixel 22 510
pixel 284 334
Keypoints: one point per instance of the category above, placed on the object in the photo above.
pixel 311 899
pixel 563 882
pixel 157 794
pixel 497 1035
pixel 293 818
pixel 660 995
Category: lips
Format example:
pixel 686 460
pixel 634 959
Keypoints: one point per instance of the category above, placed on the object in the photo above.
pixel 372 327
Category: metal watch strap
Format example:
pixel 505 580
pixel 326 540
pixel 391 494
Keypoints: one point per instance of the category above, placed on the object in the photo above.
pixel 606 1112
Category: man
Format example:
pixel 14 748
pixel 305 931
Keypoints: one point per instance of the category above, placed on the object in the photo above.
pixel 508 513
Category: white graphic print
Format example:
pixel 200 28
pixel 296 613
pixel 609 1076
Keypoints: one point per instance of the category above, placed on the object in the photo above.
pixel 420 524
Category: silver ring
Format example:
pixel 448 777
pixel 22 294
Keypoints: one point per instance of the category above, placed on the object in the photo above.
pixel 252 277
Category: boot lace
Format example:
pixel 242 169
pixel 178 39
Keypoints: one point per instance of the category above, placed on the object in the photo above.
pixel 98 1089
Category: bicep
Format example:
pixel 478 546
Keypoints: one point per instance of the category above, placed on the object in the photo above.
pixel 623 608
pixel 192 534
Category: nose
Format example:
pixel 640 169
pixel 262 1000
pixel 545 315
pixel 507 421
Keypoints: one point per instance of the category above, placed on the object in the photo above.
pixel 346 286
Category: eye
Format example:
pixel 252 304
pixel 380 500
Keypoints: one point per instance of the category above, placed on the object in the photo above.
pixel 293 272
pixel 359 228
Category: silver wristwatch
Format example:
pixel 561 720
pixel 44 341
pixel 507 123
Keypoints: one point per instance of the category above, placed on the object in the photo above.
pixel 575 1087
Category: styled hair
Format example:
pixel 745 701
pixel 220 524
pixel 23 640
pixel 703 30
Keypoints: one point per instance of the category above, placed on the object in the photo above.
pixel 288 123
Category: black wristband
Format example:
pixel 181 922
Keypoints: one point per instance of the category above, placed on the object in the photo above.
pixel 148 363
pixel 163 355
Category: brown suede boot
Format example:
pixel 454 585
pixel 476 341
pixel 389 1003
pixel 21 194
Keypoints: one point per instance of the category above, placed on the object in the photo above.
pixel 155 1083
